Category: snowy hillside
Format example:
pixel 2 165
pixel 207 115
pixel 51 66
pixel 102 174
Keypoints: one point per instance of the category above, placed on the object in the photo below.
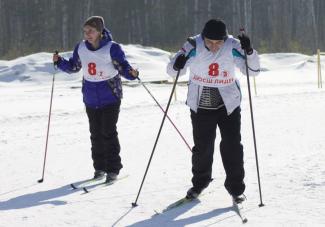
pixel 289 119
pixel 37 67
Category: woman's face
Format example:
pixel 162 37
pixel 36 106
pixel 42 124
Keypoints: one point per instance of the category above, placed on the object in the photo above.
pixel 91 34
pixel 213 45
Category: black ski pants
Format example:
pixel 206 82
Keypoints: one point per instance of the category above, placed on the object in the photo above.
pixel 205 123
pixel 105 144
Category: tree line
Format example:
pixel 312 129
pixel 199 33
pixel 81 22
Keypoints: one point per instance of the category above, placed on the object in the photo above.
pixel 29 26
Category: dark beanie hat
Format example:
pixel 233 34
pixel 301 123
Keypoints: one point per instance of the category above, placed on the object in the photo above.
pixel 95 22
pixel 215 29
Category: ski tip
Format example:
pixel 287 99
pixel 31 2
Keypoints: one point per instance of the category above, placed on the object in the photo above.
pixel 156 213
pixel 85 190
pixel 73 186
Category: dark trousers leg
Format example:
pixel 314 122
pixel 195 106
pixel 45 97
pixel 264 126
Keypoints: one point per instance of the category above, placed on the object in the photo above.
pixel 231 151
pixel 97 153
pixel 105 145
pixel 204 134
pixel 111 144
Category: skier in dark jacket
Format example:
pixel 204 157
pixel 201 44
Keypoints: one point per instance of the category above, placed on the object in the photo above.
pixel 214 98
pixel 103 62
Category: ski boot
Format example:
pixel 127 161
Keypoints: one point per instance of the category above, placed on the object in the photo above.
pixel 111 177
pixel 99 174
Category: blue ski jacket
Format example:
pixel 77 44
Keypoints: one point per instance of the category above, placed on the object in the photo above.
pixel 100 94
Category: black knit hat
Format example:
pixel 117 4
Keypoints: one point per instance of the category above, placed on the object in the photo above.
pixel 215 29
pixel 95 22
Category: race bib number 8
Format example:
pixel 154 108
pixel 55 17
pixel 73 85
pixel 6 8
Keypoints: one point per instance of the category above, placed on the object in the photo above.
pixel 92 68
pixel 214 69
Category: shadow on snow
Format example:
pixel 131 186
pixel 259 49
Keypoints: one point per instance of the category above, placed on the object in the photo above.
pixel 38 198
pixel 169 218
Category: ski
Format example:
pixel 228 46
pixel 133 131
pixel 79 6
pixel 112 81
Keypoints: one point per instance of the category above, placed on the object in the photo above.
pixel 238 207
pixel 180 203
pixel 174 205
pixel 97 185
pixel 84 183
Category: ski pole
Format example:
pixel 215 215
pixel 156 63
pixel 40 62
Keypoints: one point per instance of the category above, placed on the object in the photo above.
pixel 179 133
pixel 49 120
pixel 253 126
pixel 134 204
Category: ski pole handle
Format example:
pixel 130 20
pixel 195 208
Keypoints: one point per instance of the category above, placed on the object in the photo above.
pixel 56 63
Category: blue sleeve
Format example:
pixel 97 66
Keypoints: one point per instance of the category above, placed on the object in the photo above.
pixel 72 65
pixel 118 56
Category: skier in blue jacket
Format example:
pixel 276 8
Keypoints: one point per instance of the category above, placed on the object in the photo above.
pixel 103 63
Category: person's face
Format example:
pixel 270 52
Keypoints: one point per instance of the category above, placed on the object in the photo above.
pixel 91 34
pixel 213 45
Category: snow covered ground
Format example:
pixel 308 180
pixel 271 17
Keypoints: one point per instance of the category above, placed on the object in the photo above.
pixel 289 119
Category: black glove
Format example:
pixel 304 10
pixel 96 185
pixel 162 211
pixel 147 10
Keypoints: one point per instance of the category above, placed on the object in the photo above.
pixel 245 43
pixel 179 62
pixel 56 58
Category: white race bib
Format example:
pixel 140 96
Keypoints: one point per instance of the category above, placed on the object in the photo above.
pixel 212 69
pixel 97 65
